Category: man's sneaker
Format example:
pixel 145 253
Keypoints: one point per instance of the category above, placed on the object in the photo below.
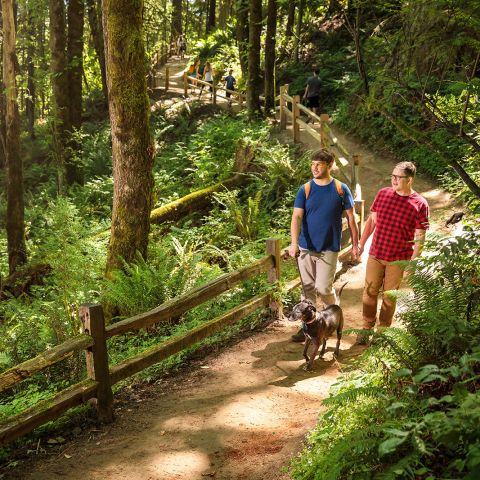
pixel 361 340
pixel 299 336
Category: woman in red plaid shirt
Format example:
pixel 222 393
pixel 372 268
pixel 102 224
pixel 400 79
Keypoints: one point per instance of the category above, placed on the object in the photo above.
pixel 398 221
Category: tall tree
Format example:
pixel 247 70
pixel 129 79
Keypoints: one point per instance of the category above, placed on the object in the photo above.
pixel 94 12
pixel 212 11
pixel 290 18
pixel 253 83
pixel 270 55
pixel 176 19
pixel 15 206
pixel 299 28
pixel 31 91
pixel 241 9
pixel 61 99
pixel 75 15
pixel 132 148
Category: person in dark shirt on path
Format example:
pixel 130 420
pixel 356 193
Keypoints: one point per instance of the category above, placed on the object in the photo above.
pixel 312 92
pixel 398 221
pixel 229 85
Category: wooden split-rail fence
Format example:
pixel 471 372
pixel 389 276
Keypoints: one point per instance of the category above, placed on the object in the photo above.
pixel 101 376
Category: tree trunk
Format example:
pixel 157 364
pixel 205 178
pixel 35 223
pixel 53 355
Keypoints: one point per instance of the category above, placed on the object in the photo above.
pixel 253 83
pixel 359 55
pixel 298 33
pixel 15 207
pixel 176 19
pixel 290 18
pixel 270 55
pixel 242 34
pixel 95 22
pixel 224 13
pixel 212 10
pixel 132 147
pixel 61 99
pixel 31 96
pixel 75 14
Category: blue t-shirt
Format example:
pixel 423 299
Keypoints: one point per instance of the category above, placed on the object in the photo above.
pixel 322 218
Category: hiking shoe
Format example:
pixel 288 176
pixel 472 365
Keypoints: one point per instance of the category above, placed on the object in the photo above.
pixel 299 336
pixel 361 340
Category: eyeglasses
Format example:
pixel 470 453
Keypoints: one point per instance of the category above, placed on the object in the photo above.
pixel 398 177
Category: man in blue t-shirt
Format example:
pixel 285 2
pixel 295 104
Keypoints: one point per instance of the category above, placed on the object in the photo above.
pixel 316 231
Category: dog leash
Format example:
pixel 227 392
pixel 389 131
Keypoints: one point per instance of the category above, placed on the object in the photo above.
pixel 300 273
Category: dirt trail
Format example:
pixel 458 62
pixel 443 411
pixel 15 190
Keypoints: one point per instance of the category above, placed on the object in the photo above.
pixel 239 414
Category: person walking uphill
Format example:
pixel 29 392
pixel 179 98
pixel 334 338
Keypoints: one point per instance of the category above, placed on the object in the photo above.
pixel 316 231
pixel 312 92
pixel 398 221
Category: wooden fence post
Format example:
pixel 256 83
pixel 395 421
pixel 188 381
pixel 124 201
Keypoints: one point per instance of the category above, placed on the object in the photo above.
pixel 295 117
pixel 167 78
pixel 185 85
pixel 240 100
pixel 323 133
pixel 214 93
pixel 361 204
pixel 273 275
pixel 355 174
pixel 283 106
pixel 97 359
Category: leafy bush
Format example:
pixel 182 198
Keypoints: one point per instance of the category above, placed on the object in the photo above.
pixel 412 408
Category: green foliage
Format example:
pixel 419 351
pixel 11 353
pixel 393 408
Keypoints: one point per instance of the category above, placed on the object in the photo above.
pixel 411 408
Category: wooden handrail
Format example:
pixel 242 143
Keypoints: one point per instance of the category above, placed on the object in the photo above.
pixel 178 305
pixel 20 372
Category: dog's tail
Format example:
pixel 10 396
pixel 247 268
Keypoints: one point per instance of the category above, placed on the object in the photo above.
pixel 339 293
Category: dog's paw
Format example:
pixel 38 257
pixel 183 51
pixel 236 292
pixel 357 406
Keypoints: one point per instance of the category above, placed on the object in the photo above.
pixel 307 367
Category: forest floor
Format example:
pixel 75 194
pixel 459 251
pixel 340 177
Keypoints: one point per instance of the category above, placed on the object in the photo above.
pixel 240 413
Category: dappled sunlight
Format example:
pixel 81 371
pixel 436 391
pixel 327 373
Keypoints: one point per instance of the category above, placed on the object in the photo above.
pixel 436 198
pixel 186 463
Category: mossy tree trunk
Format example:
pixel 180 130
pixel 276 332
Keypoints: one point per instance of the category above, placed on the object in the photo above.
pixel 75 15
pixel 15 204
pixel 132 149
pixel 255 29
pixel 242 29
pixel 270 55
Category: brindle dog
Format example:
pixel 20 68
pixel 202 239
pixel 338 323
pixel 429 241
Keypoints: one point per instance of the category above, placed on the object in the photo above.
pixel 318 326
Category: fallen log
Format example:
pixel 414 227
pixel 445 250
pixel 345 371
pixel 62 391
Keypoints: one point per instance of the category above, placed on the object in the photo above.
pixel 22 280
pixel 195 201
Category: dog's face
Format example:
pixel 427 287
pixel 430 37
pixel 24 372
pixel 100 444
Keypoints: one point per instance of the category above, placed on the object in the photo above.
pixel 304 311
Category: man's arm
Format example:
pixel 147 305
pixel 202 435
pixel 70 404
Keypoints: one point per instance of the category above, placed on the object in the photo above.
pixel 306 92
pixel 368 229
pixel 418 245
pixel 352 226
pixel 295 227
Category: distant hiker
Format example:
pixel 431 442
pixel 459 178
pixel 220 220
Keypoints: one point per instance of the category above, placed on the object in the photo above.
pixel 229 85
pixel 192 71
pixel 316 231
pixel 181 46
pixel 312 92
pixel 207 77
pixel 398 221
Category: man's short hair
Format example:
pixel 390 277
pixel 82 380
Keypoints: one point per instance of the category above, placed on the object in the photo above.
pixel 316 71
pixel 408 168
pixel 323 155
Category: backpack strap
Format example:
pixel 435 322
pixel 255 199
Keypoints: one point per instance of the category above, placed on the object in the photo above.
pixel 338 185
